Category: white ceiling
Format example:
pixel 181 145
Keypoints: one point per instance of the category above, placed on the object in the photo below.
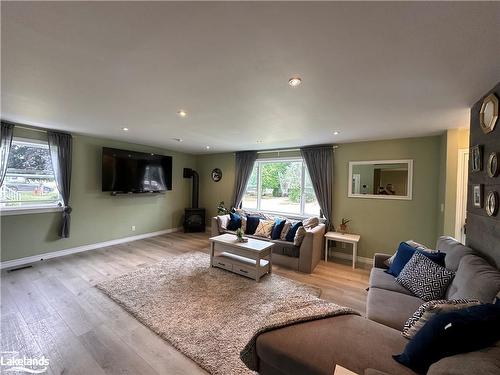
pixel 370 70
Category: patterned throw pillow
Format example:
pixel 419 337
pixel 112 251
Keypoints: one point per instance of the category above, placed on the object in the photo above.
pixel 424 278
pixel 299 236
pixel 430 309
pixel 285 230
pixel 310 222
pixel 264 228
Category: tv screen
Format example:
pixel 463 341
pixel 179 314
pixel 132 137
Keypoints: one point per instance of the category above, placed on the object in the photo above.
pixel 135 172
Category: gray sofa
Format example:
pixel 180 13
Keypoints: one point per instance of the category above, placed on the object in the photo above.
pixel 366 346
pixel 303 258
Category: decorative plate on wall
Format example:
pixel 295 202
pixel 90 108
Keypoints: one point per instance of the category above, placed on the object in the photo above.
pixel 216 175
pixel 493 166
pixel 492 203
pixel 488 115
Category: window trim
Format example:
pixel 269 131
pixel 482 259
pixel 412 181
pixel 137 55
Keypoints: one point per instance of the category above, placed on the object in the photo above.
pixel 43 207
pixel 300 215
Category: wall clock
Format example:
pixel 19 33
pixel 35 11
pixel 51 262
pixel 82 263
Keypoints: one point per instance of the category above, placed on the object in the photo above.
pixel 493 166
pixel 492 203
pixel 488 115
pixel 216 175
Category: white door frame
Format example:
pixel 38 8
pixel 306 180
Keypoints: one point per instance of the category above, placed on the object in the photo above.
pixel 461 208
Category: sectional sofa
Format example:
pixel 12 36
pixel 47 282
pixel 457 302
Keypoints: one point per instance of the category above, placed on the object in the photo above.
pixel 366 345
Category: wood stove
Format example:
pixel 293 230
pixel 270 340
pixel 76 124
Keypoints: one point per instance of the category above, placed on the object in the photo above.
pixel 194 217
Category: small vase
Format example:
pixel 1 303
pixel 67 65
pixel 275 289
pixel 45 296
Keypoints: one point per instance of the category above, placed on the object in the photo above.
pixel 343 228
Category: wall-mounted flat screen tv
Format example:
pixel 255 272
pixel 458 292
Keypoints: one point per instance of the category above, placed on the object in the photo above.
pixel 135 172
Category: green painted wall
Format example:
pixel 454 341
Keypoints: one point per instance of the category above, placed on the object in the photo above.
pixel 97 216
pixel 381 223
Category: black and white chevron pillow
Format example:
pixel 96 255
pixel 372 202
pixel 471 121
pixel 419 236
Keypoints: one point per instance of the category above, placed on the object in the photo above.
pixel 428 310
pixel 424 278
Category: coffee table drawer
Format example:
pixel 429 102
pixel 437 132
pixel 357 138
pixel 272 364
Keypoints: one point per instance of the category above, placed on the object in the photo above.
pixel 245 271
pixel 223 263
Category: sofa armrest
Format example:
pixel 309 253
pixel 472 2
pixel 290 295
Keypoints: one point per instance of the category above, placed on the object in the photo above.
pixel 214 226
pixel 379 259
pixel 311 248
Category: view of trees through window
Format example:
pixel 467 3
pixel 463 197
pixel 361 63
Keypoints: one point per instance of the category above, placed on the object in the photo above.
pixel 281 186
pixel 29 180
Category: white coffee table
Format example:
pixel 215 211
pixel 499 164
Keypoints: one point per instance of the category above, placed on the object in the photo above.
pixel 251 259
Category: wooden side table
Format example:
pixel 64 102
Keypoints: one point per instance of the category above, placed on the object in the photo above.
pixel 347 238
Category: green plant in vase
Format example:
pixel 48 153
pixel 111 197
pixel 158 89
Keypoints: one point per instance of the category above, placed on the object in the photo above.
pixel 239 234
pixel 343 225
pixel 221 209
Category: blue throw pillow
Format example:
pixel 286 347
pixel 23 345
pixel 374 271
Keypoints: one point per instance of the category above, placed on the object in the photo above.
pixel 234 222
pixel 252 224
pixel 291 233
pixel 451 333
pixel 404 254
pixel 277 228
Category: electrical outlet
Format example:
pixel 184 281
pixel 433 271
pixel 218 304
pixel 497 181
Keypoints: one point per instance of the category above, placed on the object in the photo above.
pixel 442 207
pixel 132 228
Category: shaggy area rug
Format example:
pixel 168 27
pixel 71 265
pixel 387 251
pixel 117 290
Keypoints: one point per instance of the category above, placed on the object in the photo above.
pixel 212 315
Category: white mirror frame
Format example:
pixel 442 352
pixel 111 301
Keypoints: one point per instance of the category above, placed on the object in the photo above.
pixel 409 189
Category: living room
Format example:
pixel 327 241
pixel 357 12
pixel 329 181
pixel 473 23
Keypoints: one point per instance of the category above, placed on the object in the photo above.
pixel 227 187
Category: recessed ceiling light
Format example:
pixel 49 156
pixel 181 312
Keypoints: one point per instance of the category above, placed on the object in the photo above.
pixel 295 81
pixel 336 132
pixel 125 129
pixel 207 147
pixel 260 141
pixel 182 113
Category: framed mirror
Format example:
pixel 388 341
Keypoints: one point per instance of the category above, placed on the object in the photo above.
pixel 381 179
pixel 488 114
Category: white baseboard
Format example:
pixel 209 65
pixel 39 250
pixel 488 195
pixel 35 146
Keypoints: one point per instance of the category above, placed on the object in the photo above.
pixel 345 256
pixel 79 249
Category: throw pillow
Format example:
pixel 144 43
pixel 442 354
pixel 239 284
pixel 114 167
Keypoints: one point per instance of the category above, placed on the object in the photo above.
pixel 290 236
pixel 404 254
pixel 413 244
pixel 424 278
pixel 460 331
pixel 235 221
pixel 264 228
pixel 475 278
pixel 285 230
pixel 299 236
pixel 430 309
pixel 222 222
pixel 252 223
pixel 277 228
pixel 310 223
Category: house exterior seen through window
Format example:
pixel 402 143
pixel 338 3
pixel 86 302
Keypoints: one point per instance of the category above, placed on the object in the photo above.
pixel 29 181
pixel 281 186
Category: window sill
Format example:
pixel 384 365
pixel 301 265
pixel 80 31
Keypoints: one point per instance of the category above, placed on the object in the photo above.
pixel 29 210
pixel 283 214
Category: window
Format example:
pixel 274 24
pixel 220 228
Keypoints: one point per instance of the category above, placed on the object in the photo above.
pixel 29 181
pixel 281 186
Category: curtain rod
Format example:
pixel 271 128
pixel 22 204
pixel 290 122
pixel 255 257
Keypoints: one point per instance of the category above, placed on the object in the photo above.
pixel 30 128
pixel 285 150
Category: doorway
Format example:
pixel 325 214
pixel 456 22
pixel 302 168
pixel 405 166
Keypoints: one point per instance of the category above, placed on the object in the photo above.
pixel 461 210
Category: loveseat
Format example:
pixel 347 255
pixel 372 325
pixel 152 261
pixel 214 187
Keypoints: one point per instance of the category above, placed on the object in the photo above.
pixel 303 258
pixel 366 346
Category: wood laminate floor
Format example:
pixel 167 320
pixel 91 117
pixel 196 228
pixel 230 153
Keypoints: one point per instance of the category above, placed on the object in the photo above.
pixel 53 309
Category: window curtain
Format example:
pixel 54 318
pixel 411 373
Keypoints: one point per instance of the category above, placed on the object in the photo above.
pixel 245 161
pixel 61 149
pixel 319 162
pixel 5 143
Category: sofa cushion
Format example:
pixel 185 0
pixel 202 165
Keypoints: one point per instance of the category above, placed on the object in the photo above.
pixel 390 308
pixel 311 222
pixel 454 251
pixel 252 223
pixel 277 228
pixel 430 309
pixel 234 222
pixel 299 236
pixel 424 278
pixel 290 236
pixel 475 278
pixel 382 280
pixel 315 347
pixel 264 228
pixel 222 222
pixel 405 253
pixel 286 228
pixel 285 248
pixel 454 332
pixel 413 244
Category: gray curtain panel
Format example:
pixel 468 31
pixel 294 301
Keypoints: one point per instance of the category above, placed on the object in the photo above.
pixel 5 143
pixel 244 165
pixel 319 162
pixel 61 150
